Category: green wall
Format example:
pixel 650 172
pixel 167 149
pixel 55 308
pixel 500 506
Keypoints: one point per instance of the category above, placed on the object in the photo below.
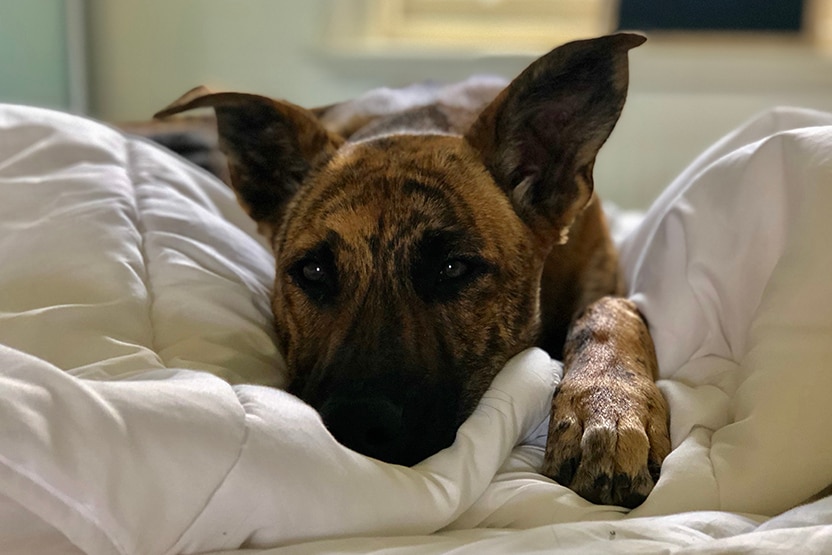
pixel 33 58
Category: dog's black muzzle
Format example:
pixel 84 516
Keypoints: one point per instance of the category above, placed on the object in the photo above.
pixel 390 417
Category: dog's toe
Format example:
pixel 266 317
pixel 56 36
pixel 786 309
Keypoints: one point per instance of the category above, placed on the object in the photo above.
pixel 563 449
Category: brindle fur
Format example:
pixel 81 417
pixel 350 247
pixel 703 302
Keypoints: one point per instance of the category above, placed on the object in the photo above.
pixel 424 236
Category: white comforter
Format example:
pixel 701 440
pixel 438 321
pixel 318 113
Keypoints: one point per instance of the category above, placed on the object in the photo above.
pixel 133 292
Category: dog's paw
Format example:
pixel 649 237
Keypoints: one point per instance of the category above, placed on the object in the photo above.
pixel 608 438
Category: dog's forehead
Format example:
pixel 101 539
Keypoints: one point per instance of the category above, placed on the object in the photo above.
pixel 402 186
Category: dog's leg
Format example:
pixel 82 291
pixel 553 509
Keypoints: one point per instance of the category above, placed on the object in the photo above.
pixel 609 431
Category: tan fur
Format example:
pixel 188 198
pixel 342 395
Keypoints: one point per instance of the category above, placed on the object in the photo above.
pixel 608 417
pixel 424 237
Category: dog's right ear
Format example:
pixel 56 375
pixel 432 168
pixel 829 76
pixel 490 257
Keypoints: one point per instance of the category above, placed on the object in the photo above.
pixel 271 145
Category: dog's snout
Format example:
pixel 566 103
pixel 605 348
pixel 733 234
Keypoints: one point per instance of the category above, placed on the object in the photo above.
pixel 391 421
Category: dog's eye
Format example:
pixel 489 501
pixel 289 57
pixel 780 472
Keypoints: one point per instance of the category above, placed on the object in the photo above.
pixel 446 263
pixel 453 269
pixel 315 275
pixel 454 276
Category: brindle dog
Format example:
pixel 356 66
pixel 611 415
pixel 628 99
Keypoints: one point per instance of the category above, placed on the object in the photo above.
pixel 423 237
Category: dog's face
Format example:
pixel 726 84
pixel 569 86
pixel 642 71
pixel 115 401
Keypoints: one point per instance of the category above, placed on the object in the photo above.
pixel 409 265
pixel 406 281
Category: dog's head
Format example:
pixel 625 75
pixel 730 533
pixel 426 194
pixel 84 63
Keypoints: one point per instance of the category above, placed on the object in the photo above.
pixel 409 265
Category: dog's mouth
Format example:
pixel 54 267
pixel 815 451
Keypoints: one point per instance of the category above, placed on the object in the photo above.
pixel 389 419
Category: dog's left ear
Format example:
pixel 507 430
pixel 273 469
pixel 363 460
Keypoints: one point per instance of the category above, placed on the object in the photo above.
pixel 540 136
pixel 271 146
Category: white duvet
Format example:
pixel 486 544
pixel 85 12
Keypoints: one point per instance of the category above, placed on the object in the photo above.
pixel 134 305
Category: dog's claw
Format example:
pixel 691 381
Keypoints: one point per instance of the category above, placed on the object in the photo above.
pixel 566 471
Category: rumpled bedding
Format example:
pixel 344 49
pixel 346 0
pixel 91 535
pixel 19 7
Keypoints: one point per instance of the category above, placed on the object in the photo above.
pixel 137 355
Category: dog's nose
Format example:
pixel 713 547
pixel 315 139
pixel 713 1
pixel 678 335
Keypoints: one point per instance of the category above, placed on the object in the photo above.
pixel 385 423
pixel 370 425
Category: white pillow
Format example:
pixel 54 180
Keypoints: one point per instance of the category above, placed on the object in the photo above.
pixel 119 257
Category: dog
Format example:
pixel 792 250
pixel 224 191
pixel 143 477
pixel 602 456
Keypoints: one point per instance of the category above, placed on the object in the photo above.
pixel 424 236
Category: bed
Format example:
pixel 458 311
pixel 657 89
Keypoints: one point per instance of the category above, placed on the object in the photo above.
pixel 141 411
